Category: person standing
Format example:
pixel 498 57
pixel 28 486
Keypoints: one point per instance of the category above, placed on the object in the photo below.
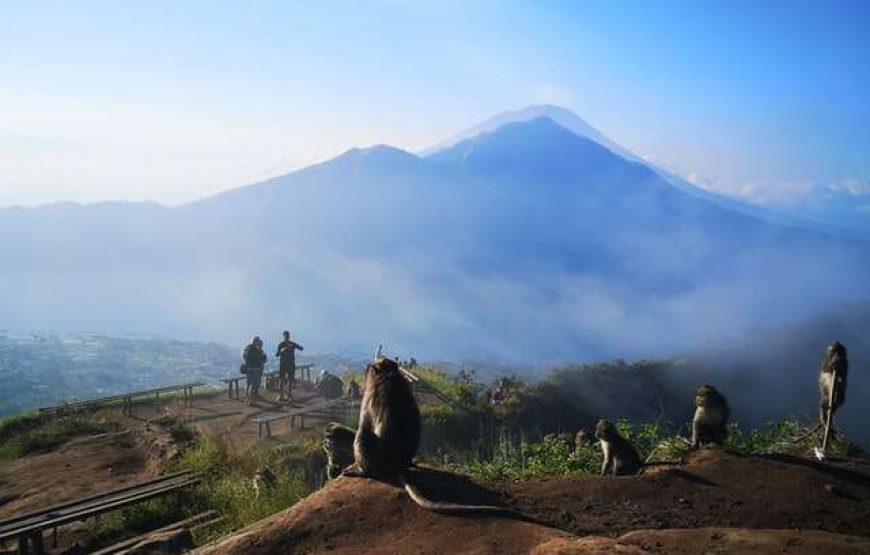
pixel 255 361
pixel 287 368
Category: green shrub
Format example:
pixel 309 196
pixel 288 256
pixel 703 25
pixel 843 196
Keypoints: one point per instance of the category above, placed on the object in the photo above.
pixel 554 455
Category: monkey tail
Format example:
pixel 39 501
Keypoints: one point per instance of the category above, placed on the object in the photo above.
pixel 442 507
pixel 665 462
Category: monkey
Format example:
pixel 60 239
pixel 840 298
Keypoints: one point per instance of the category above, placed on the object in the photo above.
pixel 329 385
pixel 389 434
pixel 581 440
pixel 710 422
pixel 835 359
pixel 353 391
pixel 620 456
pixel 338 446
pixel 264 481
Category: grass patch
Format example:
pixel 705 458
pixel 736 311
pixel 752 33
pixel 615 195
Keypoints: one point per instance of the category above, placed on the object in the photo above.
pixel 180 432
pixel 30 434
pixel 228 486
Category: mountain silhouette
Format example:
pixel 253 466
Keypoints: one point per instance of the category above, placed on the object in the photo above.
pixel 534 237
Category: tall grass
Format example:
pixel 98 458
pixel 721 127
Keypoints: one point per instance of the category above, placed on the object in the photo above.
pixel 228 485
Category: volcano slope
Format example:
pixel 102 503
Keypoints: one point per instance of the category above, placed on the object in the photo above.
pixel 715 503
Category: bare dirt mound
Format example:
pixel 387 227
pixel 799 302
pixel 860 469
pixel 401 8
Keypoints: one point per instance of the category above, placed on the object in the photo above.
pixel 756 542
pixel 717 503
pixel 713 489
pixel 356 516
pixel 80 467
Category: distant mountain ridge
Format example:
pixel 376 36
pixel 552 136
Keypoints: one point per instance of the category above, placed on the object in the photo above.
pixel 527 240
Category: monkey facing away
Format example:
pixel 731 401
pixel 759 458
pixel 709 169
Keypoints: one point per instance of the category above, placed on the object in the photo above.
pixel 710 423
pixel 389 434
pixel 835 359
pixel 620 456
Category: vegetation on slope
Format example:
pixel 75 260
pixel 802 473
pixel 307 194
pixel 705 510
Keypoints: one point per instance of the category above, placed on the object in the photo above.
pixel 33 433
pixel 529 431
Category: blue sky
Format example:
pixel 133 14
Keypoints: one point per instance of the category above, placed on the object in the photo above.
pixel 173 101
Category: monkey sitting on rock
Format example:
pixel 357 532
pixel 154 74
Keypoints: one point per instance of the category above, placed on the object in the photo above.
pixel 620 456
pixel 388 435
pixel 710 423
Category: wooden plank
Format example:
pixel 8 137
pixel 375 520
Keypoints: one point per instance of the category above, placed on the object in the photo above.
pixel 82 508
pixel 74 514
pixel 299 411
pixel 126 544
pixel 121 397
pixel 81 500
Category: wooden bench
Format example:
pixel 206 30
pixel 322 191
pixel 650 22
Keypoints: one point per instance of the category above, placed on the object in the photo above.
pixel 265 422
pixel 302 369
pixel 270 380
pixel 233 386
pixel 28 528
pixel 126 399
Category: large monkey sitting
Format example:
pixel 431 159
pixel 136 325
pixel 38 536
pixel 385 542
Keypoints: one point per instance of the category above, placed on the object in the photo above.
pixel 389 434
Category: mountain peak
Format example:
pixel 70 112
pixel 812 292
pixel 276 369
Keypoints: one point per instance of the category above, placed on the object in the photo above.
pixel 561 116
pixel 534 150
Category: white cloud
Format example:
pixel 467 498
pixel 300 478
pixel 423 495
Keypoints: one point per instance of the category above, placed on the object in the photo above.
pixel 850 185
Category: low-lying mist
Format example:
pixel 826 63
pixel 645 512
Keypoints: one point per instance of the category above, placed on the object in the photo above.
pixel 527 245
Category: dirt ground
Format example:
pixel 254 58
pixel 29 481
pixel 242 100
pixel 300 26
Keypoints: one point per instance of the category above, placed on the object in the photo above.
pixel 81 467
pixel 217 415
pixel 90 464
pixel 716 503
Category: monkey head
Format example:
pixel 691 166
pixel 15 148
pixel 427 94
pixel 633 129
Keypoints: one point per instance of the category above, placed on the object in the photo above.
pixel 265 473
pixel 582 439
pixel 704 395
pixel 836 349
pixel 382 369
pixel 605 430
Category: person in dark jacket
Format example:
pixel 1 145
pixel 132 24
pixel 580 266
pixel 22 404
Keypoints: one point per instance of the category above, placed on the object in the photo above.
pixel 286 353
pixel 255 361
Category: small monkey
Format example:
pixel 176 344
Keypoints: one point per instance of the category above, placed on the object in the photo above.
pixel 389 434
pixel 353 390
pixel 581 440
pixel 710 423
pixel 338 446
pixel 264 481
pixel 835 359
pixel 620 456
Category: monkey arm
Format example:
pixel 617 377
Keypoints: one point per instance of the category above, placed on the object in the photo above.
pixel 608 460
pixel 841 390
pixel 696 436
